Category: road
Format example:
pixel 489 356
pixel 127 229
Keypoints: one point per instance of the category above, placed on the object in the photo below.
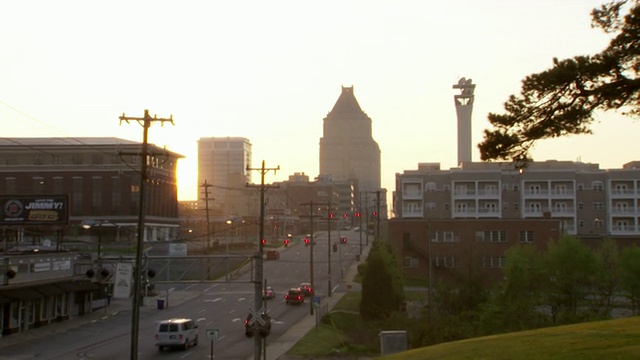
pixel 221 306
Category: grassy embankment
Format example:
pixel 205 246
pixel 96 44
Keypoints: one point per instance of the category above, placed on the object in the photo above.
pixel 344 333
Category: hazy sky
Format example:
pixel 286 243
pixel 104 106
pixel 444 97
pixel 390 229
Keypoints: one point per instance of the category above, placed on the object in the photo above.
pixel 272 70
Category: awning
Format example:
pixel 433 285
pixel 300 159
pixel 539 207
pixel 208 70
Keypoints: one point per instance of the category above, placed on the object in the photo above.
pixel 49 289
pixel 24 294
pixel 73 286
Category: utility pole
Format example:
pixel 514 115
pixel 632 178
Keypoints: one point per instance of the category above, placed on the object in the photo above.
pixel 258 343
pixel 206 198
pixel 145 122
pixel 311 216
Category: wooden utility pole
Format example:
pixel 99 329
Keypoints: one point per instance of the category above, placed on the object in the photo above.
pixel 259 257
pixel 206 198
pixel 145 122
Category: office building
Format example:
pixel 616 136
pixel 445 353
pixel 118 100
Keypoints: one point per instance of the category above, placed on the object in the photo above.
pixel 348 151
pixel 222 165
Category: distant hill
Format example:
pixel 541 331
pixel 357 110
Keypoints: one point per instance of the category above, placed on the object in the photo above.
pixel 611 339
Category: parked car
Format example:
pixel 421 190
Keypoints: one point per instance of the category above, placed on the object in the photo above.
pixel 268 293
pixel 181 333
pixel 306 289
pixel 294 296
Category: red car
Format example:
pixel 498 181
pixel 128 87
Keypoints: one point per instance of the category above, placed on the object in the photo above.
pixel 306 289
pixel 294 296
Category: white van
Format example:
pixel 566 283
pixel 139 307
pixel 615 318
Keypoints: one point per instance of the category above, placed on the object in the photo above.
pixel 176 333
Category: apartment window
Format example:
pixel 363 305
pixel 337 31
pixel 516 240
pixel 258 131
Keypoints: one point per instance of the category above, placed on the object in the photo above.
pixel 535 208
pixel 597 205
pixel 116 194
pixel 58 160
pixel 491 236
pixel 445 261
pixel 446 206
pixel 446 187
pixel 430 206
pixel 516 206
pixel 597 223
pixel 526 236
pixel 444 236
pixel 597 186
pixel 410 262
pixel 505 205
pixel 534 189
pixel 461 208
pixel 580 223
pixel 430 186
pixel 493 261
pixel 516 187
pixel 580 186
pixel 505 187
pixel 580 205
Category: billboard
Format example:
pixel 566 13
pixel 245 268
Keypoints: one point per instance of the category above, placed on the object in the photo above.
pixel 35 210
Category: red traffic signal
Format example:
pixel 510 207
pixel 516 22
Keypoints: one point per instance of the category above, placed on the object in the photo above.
pixel 345 216
pixel 331 216
pixel 306 240
pixel 286 241
pixel 263 241
pixel 357 214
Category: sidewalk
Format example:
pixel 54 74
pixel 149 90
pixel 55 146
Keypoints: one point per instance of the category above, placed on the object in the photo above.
pixel 275 349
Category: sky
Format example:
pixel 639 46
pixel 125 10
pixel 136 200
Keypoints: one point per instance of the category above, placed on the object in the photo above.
pixel 271 71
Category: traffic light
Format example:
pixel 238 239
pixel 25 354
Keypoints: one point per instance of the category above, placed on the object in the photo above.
pixel 345 216
pixel 263 241
pixel 249 330
pixel 357 214
pixel 286 242
pixel 330 216
pixel 306 241
pixel 375 213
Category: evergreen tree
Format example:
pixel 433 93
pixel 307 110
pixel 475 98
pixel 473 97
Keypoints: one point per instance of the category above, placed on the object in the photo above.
pixel 561 101
pixel 382 289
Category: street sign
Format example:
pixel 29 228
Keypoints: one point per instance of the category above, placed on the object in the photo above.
pixel 212 334
pixel 316 302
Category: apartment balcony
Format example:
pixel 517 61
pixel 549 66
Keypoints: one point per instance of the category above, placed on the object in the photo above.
pixel 412 214
pixel 536 194
pixel 562 194
pixel 625 230
pixel 624 193
pixel 476 213
pixel 412 195
pixel 464 193
pixel 624 212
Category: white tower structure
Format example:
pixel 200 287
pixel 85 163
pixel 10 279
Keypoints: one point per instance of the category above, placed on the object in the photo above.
pixel 464 107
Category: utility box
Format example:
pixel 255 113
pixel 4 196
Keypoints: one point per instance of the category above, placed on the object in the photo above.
pixel 393 341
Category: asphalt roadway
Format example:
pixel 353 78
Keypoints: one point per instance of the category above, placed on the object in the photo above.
pixel 275 349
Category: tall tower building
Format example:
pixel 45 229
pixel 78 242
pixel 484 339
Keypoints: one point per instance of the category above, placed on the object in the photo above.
pixel 222 163
pixel 464 107
pixel 347 149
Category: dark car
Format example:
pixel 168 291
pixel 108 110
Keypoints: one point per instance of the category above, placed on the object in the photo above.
pixel 294 296
pixel 268 293
pixel 306 289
